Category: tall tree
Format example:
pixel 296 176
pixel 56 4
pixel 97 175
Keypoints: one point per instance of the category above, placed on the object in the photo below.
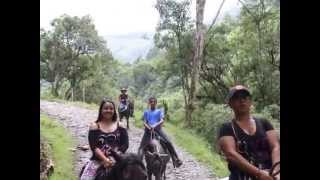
pixel 67 51
pixel 174 33
pixel 196 60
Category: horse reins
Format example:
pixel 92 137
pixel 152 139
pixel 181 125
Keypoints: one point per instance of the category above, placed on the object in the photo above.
pixel 273 174
pixel 152 136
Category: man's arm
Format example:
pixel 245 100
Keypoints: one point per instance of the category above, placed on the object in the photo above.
pixel 161 120
pixel 158 123
pixel 146 125
pixel 145 121
pixel 274 146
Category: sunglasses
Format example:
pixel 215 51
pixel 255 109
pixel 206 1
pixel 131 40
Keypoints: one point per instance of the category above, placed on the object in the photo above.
pixel 241 95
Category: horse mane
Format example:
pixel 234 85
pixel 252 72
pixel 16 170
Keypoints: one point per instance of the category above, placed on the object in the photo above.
pixel 127 159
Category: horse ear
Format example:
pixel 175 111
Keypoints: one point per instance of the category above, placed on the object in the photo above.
pixel 116 155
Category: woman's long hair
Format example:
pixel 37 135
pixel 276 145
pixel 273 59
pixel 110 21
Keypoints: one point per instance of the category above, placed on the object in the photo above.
pixel 114 117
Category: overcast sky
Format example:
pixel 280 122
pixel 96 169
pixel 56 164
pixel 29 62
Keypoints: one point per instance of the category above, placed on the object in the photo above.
pixel 113 17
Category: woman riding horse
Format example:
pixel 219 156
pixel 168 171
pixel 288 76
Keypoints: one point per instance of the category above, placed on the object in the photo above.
pixel 105 134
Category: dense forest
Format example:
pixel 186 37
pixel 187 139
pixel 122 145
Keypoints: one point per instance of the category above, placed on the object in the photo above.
pixel 189 69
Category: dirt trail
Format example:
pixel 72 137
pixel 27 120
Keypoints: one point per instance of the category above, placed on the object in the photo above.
pixel 76 120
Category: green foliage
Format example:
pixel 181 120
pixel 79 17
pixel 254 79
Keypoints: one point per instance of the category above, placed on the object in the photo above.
pixel 256 43
pixel 69 52
pixel 165 108
pixel 209 119
pixel 61 142
pixel 271 113
pixel 138 121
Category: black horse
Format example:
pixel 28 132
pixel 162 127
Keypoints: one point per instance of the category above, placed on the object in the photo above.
pixel 157 157
pixel 126 110
pixel 128 166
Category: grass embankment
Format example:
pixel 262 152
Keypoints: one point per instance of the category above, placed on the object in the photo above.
pixel 60 142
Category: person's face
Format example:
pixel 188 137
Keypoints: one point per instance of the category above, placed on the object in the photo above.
pixel 241 102
pixel 152 103
pixel 107 110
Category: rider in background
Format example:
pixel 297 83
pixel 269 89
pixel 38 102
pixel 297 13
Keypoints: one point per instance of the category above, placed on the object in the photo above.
pixel 153 120
pixel 123 97
pixel 250 144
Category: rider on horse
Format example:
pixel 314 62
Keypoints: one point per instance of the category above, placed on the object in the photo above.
pixel 123 97
pixel 153 120
pixel 250 144
pixel 105 134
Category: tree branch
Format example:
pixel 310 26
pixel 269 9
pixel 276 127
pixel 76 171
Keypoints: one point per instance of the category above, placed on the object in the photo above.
pixel 213 22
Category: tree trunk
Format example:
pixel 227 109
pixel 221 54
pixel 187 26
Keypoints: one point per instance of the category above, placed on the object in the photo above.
pixel 197 57
pixel 55 86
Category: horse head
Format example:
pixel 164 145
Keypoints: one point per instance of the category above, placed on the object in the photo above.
pixel 156 158
pixel 128 167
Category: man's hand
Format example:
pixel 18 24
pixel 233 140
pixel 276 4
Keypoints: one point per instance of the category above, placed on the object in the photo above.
pixel 147 126
pixel 264 175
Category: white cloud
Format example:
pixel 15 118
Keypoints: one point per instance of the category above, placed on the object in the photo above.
pixel 118 16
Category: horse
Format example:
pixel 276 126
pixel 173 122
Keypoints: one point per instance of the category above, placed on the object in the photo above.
pixel 125 110
pixel 157 158
pixel 131 107
pixel 127 166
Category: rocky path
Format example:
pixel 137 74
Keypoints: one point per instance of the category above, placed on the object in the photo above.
pixel 77 120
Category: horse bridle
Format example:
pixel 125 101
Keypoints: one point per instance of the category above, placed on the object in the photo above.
pixel 152 136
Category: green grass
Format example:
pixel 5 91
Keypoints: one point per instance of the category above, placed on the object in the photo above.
pixel 199 148
pixel 60 142
pixel 137 119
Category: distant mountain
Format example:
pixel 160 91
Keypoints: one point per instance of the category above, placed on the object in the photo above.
pixel 129 47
